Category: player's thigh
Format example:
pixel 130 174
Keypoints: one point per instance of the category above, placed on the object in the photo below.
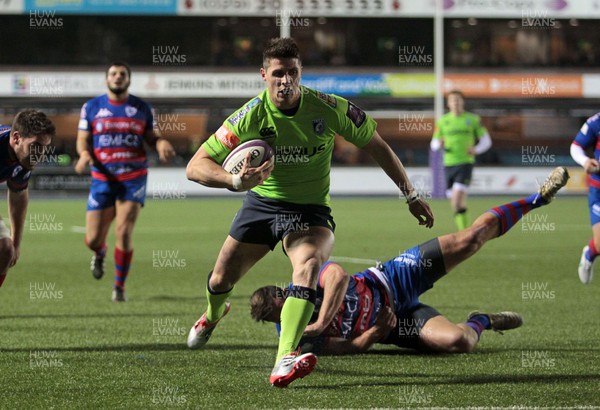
pixel 97 223
pixel 235 259
pixel 440 335
pixel 127 213
pixel 315 242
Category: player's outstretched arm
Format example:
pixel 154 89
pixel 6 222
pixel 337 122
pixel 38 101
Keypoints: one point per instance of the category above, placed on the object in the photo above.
pixel 390 163
pixel 334 281
pixel 386 321
pixel 17 209
pixel 204 170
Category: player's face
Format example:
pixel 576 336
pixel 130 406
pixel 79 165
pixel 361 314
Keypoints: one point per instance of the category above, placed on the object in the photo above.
pixel 283 81
pixel 456 103
pixel 30 150
pixel 117 79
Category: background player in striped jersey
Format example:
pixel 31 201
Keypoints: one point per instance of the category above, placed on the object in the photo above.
pixel 112 130
pixel 291 203
pixel 588 138
pixel 462 136
pixel 381 304
pixel 21 147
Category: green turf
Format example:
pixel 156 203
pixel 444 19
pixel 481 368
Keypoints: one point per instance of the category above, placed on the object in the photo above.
pixel 70 347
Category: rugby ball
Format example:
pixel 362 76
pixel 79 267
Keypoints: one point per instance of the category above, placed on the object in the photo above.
pixel 259 150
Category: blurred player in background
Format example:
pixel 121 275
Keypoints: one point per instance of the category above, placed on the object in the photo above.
pixel 289 202
pixel 381 304
pixel 588 137
pixel 21 147
pixel 112 130
pixel 462 136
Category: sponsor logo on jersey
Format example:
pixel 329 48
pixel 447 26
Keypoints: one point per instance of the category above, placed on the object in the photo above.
pixel 16 171
pixel 102 113
pixel 119 140
pixel 116 125
pixel 130 111
pixel 356 115
pixel 105 156
pixel 227 137
pixel 327 98
pixel 319 126
pixel 267 131
pixel 241 113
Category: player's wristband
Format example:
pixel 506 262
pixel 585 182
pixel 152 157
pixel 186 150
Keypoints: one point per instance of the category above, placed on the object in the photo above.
pixel 412 197
pixel 236 182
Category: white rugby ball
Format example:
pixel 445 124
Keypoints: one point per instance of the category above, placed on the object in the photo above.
pixel 259 150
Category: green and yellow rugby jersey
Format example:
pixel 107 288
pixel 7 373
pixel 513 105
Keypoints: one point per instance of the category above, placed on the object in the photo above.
pixel 303 143
pixel 459 133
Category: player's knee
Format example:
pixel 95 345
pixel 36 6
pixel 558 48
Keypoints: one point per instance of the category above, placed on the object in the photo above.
pixel 309 270
pixel 93 242
pixel 124 232
pixel 460 342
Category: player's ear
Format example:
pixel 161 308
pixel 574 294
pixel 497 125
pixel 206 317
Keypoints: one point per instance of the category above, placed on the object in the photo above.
pixel 263 74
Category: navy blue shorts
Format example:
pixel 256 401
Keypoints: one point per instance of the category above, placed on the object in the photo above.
pixel 459 173
pixel 267 221
pixel 410 275
pixel 104 194
pixel 594 204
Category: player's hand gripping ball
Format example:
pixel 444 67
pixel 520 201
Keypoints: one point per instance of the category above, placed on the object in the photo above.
pixel 260 152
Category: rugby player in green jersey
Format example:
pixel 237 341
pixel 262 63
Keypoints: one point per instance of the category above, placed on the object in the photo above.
pixel 289 197
pixel 462 136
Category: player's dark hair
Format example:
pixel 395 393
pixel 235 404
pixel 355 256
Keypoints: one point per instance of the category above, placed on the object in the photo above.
pixel 262 301
pixel 282 47
pixel 33 123
pixel 119 64
pixel 457 92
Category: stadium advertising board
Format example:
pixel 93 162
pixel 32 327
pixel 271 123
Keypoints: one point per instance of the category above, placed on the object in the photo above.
pixel 11 6
pixel 53 84
pixel 137 7
pixel 289 10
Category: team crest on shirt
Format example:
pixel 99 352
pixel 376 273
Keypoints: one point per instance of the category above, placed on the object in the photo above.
pixel 130 111
pixel 102 113
pixel 319 126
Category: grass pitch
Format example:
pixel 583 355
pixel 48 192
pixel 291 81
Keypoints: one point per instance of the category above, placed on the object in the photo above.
pixel 64 344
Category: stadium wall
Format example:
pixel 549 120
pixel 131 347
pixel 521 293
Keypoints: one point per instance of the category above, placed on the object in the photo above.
pixel 171 183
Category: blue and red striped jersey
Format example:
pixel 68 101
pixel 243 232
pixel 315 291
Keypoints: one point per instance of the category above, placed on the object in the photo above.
pixel 118 129
pixel 11 171
pixel 589 137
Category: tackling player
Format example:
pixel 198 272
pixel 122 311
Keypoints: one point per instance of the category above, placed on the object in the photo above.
pixel 588 137
pixel 112 130
pixel 462 136
pixel 21 146
pixel 289 202
pixel 381 304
